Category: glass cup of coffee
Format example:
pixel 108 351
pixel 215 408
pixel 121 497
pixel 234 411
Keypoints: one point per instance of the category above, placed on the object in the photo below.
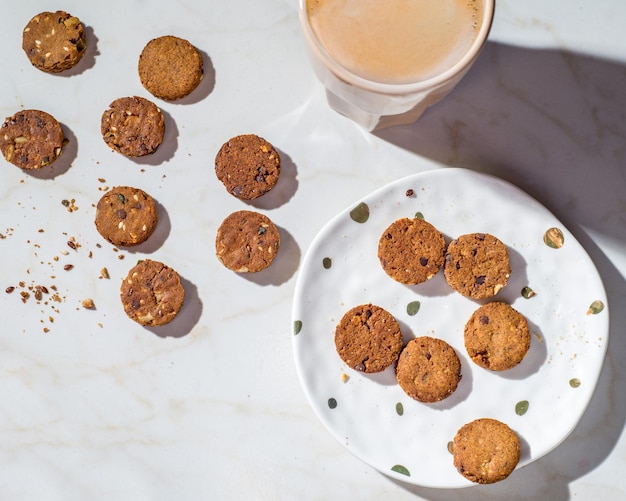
pixel 383 62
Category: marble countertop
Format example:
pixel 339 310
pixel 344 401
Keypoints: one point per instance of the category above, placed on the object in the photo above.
pixel 210 407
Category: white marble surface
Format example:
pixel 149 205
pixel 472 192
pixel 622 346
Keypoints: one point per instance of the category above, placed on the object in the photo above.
pixel 210 406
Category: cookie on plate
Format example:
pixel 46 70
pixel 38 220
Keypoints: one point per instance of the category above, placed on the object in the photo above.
pixel 133 126
pixel 485 450
pixel 247 241
pixel 54 41
pixel 151 293
pixel 170 67
pixel 31 139
pixel 497 336
pixel 411 251
pixel 477 265
pixel 428 369
pixel 248 166
pixel 368 338
pixel 126 216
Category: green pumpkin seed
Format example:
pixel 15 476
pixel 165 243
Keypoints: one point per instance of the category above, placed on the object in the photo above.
pixel 401 469
pixel 521 407
pixel 554 238
pixel 361 213
pixel 327 262
pixel 297 327
pixel 413 307
pixel 595 308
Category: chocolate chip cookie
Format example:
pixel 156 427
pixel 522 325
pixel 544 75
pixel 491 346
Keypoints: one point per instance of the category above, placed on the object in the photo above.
pixel 247 242
pixel 31 139
pixel 248 166
pixel 477 265
pixel 126 216
pixel 368 338
pixel 54 41
pixel 133 126
pixel 151 293
pixel 428 369
pixel 411 251
pixel 497 336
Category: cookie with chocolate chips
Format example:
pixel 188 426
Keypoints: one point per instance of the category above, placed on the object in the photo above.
pixel 477 265
pixel 248 166
pixel 152 294
pixel 486 450
pixel 428 369
pixel 368 338
pixel 31 139
pixel 411 251
pixel 133 126
pixel 126 216
pixel 54 41
pixel 247 242
pixel 497 336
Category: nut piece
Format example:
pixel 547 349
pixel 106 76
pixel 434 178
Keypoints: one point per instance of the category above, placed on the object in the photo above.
pixel 88 304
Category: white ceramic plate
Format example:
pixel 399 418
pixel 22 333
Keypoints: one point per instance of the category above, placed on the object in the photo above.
pixel 542 399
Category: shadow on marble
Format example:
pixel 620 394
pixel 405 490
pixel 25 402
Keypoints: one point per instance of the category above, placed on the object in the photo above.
pixel 551 122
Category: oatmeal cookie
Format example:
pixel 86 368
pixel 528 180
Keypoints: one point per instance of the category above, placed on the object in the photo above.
pixel 170 68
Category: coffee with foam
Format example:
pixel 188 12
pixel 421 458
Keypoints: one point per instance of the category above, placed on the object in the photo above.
pixel 396 41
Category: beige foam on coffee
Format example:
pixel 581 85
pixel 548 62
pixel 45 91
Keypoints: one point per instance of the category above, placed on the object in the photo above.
pixel 395 41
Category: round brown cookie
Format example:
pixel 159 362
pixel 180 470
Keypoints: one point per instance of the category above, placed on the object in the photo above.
pixel 247 242
pixel 485 450
pixel 477 265
pixel 126 216
pixel 497 336
pixel 133 126
pixel 170 67
pixel 54 41
pixel 368 338
pixel 248 165
pixel 31 139
pixel 411 251
pixel 151 293
pixel 428 369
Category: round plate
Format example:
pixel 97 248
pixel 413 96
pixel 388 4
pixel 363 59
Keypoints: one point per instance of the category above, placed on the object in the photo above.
pixel 553 283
